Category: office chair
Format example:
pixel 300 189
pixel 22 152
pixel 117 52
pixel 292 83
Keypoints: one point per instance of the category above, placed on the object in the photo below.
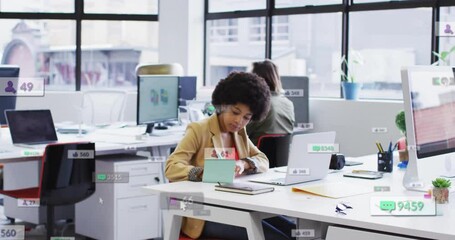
pixel 159 69
pixel 276 148
pixel 65 178
pixel 103 106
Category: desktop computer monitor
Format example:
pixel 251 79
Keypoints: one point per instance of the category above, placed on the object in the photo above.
pixel 296 90
pixel 187 89
pixel 429 104
pixel 7 102
pixel 157 100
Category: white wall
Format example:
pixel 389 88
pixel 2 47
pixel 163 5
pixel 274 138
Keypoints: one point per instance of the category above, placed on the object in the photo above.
pixel 181 35
pixel 352 120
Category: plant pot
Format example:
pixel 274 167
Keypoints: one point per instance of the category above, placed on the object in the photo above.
pixel 441 195
pixel 351 90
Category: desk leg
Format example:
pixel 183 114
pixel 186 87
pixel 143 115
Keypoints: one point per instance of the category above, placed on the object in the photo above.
pixel 254 226
pixel 172 225
pixel 319 228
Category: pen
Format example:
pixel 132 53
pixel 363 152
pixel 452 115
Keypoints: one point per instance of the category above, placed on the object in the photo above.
pixel 379 146
pixel 395 147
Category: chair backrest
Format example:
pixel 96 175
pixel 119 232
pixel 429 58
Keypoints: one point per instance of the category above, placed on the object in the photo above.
pixel 159 69
pixel 67 173
pixel 103 106
pixel 276 148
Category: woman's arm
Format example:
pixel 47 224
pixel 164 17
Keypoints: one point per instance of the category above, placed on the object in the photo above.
pixel 257 160
pixel 178 165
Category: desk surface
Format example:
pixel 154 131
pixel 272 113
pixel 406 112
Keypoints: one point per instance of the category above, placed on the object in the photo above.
pixel 305 206
pixel 108 141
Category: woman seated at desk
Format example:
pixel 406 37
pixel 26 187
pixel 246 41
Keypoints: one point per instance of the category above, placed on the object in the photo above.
pixel 280 118
pixel 240 98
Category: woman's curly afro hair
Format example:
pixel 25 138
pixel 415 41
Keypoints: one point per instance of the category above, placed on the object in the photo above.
pixel 246 88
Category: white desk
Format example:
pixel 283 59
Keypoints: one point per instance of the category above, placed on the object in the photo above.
pixel 309 207
pixel 21 171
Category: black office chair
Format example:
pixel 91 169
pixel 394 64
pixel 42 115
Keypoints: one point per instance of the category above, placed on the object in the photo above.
pixel 276 148
pixel 65 178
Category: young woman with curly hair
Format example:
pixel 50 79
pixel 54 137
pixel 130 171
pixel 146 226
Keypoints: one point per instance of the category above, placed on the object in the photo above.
pixel 238 99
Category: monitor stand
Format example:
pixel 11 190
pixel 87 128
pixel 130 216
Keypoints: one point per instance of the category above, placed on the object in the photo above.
pixel 411 180
pixel 151 126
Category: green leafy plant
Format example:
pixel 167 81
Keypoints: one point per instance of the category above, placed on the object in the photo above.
pixel 354 59
pixel 443 57
pixel 441 183
pixel 400 122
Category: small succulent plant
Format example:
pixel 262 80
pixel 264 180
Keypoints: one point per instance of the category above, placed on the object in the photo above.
pixel 441 183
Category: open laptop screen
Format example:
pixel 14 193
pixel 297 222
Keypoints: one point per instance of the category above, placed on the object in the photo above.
pixel 31 126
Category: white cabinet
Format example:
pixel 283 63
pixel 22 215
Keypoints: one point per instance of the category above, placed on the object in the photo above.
pixel 122 211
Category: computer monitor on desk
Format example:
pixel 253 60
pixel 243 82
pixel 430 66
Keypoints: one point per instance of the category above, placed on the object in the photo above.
pixel 7 72
pixel 296 90
pixel 157 100
pixel 429 103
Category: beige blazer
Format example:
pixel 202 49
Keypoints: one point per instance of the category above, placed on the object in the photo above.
pixel 190 153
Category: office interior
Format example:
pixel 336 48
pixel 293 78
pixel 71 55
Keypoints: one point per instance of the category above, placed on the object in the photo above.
pixel 208 38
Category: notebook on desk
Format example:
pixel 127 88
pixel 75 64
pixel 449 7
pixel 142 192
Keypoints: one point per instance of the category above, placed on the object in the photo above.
pixel 31 128
pixel 305 165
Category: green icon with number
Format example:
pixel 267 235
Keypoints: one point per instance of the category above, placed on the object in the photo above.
pixel 101 177
pixel 316 148
pixel 387 206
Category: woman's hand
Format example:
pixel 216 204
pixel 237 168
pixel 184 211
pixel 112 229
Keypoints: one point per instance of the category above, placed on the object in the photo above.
pixel 240 166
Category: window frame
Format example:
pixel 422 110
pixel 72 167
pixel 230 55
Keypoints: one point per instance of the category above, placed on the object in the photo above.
pixel 346 7
pixel 78 16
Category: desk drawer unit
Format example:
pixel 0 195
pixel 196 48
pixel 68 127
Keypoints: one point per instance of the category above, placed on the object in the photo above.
pixel 144 211
pixel 118 211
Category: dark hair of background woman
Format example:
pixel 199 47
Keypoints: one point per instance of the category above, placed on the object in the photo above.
pixel 269 71
pixel 246 88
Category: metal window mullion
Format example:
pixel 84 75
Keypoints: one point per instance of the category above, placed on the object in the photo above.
pixel 434 37
pixel 344 38
pixel 79 10
pixel 268 28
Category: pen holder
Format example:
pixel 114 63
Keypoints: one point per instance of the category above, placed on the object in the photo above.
pixel 385 162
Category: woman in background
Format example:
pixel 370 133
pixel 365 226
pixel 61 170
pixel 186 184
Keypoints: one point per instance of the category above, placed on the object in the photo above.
pixel 280 118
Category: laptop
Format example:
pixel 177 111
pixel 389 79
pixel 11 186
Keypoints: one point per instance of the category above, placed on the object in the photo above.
pixel 31 128
pixel 305 164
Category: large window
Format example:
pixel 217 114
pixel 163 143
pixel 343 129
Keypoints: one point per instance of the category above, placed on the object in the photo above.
pixel 224 30
pixel 314 44
pixel 237 51
pixel 121 6
pixel 44 40
pixel 49 6
pixel 447 40
pixel 41 48
pixel 386 41
pixel 303 3
pixel 111 51
pixel 235 5
pixel 311 37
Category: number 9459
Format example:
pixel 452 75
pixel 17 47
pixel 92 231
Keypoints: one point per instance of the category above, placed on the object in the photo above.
pixel 410 205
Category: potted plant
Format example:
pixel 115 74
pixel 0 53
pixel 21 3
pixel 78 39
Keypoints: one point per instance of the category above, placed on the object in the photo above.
pixel 441 190
pixel 402 143
pixel 350 86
